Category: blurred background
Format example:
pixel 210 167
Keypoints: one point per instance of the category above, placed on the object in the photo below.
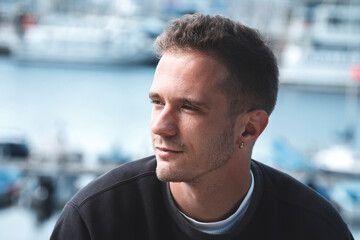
pixel 74 82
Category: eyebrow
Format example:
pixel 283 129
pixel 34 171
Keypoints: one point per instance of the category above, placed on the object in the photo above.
pixel 184 100
pixel 154 95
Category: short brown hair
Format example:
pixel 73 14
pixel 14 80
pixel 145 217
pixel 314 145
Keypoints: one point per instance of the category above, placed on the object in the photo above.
pixel 253 72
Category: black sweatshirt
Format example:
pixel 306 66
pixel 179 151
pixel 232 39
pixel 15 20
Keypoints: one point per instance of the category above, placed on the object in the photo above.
pixel 129 202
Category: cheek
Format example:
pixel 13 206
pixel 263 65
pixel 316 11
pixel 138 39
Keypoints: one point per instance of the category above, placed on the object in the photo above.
pixel 197 133
pixel 192 127
pixel 209 131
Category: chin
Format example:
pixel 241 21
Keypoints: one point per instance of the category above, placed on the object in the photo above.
pixel 166 173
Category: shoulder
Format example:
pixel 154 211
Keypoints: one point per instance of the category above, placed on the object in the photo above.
pixel 297 203
pixel 113 204
pixel 127 174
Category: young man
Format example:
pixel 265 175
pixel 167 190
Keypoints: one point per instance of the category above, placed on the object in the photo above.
pixel 214 87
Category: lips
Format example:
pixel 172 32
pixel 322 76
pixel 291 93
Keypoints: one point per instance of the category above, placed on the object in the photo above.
pixel 165 152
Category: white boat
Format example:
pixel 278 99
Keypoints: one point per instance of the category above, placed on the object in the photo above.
pixel 338 160
pixel 324 49
pixel 86 39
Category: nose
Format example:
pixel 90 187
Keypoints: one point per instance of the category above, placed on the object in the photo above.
pixel 163 122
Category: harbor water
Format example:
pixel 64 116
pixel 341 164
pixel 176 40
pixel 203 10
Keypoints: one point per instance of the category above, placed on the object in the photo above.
pixel 94 109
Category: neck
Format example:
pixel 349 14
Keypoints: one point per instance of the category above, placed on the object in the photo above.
pixel 217 195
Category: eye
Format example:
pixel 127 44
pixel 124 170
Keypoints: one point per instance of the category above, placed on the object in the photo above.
pixel 156 102
pixel 188 107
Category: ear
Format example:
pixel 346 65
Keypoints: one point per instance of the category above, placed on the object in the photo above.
pixel 253 124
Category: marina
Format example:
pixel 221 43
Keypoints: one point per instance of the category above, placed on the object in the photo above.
pixel 74 102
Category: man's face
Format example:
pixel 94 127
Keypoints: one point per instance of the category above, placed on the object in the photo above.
pixel 191 132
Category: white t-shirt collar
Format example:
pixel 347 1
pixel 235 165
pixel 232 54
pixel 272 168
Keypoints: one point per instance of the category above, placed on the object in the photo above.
pixel 224 225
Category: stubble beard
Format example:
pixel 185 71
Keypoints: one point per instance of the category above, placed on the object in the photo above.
pixel 218 152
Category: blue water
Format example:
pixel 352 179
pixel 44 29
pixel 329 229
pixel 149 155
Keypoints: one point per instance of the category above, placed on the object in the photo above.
pixel 310 120
pixel 93 109
pixel 96 108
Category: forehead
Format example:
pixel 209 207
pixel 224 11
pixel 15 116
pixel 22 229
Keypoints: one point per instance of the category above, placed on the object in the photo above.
pixel 189 72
